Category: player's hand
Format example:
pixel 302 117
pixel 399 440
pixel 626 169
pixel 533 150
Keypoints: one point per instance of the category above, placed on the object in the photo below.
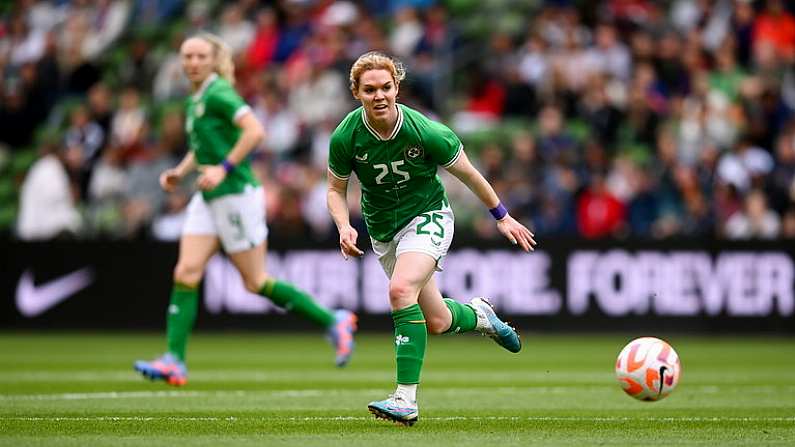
pixel 210 177
pixel 516 233
pixel 348 236
pixel 169 179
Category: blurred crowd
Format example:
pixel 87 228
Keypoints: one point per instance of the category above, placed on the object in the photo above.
pixel 622 118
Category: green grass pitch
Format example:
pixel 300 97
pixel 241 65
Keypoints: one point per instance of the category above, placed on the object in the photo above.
pixel 282 389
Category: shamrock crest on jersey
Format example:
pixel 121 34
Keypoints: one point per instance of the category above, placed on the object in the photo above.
pixel 413 152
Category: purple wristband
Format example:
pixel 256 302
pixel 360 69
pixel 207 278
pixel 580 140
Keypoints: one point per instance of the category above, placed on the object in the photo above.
pixel 499 211
pixel 228 167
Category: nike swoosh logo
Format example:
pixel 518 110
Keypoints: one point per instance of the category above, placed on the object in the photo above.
pixel 663 369
pixel 364 158
pixel 33 300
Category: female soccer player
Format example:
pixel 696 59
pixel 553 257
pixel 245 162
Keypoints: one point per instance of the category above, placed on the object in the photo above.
pixel 229 211
pixel 395 152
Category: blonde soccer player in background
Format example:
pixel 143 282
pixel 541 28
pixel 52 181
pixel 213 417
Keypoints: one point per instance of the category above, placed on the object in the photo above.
pixel 228 212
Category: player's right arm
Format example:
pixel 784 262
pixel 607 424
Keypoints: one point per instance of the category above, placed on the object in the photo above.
pixel 340 166
pixel 170 178
pixel 338 207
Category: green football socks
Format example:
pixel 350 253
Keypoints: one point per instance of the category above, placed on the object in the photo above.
pixel 411 336
pixel 293 300
pixel 180 318
pixel 464 317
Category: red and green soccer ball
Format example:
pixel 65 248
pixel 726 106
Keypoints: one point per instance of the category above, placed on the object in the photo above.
pixel 648 369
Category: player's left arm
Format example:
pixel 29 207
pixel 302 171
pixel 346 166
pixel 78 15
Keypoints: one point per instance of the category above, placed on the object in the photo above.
pixel 515 232
pixel 251 136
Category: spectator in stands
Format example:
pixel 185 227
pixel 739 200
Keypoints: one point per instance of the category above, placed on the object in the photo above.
pixel 775 25
pixel 609 56
pixel 235 29
pixel 788 224
pixel 281 125
pixel 100 106
pixel 407 33
pixel 554 142
pixel 262 48
pixel 169 81
pixel 79 72
pixel 324 90
pixel 745 167
pixel 167 225
pixel 86 137
pixel 17 122
pixel 143 197
pixel 108 19
pixel 47 201
pixel 781 183
pixel 22 44
pixel 755 221
pixel 154 13
pixel 128 126
pixel 599 212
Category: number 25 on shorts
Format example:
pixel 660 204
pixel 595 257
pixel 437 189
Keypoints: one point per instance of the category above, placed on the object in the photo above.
pixel 436 218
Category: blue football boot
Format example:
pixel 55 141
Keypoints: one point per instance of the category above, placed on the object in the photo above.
pixel 490 324
pixel 341 336
pixel 396 408
pixel 167 368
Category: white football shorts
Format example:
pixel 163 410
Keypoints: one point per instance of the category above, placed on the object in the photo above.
pixel 238 220
pixel 430 233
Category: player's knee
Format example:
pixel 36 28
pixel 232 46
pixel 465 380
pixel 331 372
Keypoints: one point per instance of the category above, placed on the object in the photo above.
pixel 436 325
pixel 187 274
pixel 400 293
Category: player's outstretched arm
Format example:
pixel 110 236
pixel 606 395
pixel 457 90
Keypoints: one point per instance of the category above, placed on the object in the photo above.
pixel 338 207
pixel 507 225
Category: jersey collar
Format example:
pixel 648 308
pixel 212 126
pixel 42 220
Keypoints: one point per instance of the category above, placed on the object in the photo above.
pixel 210 79
pixel 398 125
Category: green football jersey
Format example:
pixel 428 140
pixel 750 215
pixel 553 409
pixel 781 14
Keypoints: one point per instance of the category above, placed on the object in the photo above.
pixel 210 116
pixel 398 174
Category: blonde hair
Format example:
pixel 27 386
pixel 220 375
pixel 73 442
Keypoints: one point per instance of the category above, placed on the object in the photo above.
pixel 375 60
pixel 222 55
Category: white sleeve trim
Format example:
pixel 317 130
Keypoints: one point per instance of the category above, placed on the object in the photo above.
pixel 244 109
pixel 338 176
pixel 457 156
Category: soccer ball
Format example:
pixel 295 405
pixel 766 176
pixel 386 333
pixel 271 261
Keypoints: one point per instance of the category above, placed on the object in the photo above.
pixel 648 369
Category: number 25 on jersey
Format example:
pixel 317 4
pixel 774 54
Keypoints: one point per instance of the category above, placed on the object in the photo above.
pixel 395 165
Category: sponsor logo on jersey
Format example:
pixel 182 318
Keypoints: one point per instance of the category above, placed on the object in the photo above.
pixel 362 158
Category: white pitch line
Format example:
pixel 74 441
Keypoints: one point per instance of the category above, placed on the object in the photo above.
pixel 304 393
pixel 160 394
pixel 363 418
pixel 270 376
